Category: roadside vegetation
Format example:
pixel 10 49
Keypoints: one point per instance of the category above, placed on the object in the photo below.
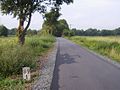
pixel 107 46
pixel 13 57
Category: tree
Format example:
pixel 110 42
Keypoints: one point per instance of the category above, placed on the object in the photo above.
pixel 106 33
pixel 52 25
pixel 72 33
pixel 66 32
pixel 91 32
pixel 117 31
pixel 51 21
pixel 63 24
pixel 23 10
pixel 3 31
pixel 78 32
pixel 12 31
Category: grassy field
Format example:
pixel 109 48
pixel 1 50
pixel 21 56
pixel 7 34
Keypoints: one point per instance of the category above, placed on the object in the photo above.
pixel 107 46
pixel 13 57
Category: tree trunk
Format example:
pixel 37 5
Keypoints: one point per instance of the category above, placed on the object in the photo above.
pixel 21 39
pixel 20 32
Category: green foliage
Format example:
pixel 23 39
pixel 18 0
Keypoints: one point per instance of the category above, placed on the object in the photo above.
pixel 3 31
pixel 9 84
pixel 52 16
pixel 12 31
pixel 21 8
pixel 64 24
pixel 60 2
pixel 51 24
pixel 108 47
pixel 62 27
pixel 51 20
pixel 13 57
pixel 95 32
pixel 66 32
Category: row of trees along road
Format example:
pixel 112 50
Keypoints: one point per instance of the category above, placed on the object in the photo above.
pixel 23 10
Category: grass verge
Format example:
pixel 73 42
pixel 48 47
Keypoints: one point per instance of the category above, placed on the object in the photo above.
pixel 13 57
pixel 104 46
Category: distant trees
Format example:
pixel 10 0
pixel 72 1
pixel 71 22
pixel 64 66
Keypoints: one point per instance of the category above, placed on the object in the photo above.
pixel 3 31
pixel 91 32
pixel 61 28
pixel 12 31
pixel 95 32
pixel 117 31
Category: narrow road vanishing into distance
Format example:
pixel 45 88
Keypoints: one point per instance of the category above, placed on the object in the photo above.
pixel 78 69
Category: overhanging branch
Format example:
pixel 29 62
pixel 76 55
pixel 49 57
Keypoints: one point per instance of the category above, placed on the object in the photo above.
pixel 28 24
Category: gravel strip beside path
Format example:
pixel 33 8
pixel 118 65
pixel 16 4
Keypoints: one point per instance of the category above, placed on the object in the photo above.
pixel 46 75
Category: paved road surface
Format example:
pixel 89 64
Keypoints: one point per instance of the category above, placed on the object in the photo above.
pixel 78 69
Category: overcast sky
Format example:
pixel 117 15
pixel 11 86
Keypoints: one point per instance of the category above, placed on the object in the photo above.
pixel 82 14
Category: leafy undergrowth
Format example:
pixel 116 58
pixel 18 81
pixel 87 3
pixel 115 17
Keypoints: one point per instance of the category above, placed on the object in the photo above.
pixel 102 45
pixel 13 57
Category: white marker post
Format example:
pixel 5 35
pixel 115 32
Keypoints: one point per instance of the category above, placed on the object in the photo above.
pixel 26 73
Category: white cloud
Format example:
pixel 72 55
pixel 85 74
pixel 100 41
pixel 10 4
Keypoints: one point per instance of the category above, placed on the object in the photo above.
pixel 93 13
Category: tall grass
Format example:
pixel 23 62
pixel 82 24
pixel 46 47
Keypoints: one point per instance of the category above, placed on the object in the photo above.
pixel 9 84
pixel 108 46
pixel 13 56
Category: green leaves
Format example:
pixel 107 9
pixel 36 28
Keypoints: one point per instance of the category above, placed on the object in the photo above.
pixel 60 2
pixel 24 7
